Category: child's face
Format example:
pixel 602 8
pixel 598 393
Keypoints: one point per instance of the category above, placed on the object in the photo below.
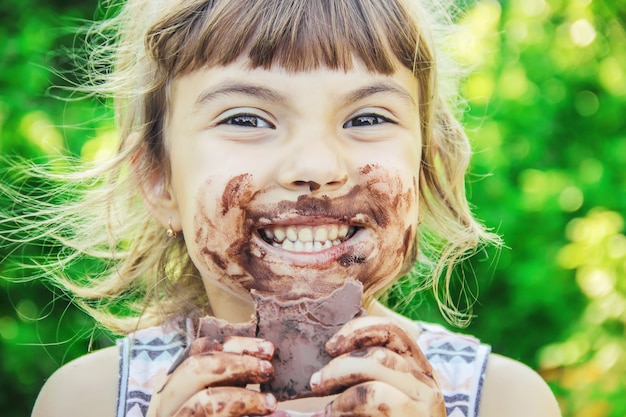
pixel 290 182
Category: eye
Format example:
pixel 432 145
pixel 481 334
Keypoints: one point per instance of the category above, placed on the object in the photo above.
pixel 365 120
pixel 247 120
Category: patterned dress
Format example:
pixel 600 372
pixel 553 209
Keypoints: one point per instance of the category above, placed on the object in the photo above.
pixel 459 362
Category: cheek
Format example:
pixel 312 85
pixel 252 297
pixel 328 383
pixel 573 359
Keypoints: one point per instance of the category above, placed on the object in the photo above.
pixel 395 196
pixel 220 231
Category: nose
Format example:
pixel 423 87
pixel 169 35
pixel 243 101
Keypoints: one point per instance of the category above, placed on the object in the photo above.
pixel 314 163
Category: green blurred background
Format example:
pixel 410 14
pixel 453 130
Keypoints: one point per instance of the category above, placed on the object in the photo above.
pixel 546 114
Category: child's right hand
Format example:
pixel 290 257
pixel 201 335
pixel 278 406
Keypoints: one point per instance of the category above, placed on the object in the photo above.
pixel 209 379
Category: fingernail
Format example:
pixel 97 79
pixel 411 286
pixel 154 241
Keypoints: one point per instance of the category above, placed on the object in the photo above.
pixel 331 346
pixel 266 348
pixel 266 368
pixel 270 401
pixel 315 380
pixel 379 355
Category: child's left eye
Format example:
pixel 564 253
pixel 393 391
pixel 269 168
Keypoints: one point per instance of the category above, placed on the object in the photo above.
pixel 366 120
pixel 247 120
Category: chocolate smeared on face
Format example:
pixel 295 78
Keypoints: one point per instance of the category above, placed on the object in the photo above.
pixel 237 190
pixel 221 228
pixel 380 212
pixel 410 254
pixel 347 260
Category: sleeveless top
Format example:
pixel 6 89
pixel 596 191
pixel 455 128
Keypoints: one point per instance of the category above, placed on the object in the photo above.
pixel 459 362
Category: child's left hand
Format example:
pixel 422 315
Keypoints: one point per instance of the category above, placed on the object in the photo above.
pixel 384 369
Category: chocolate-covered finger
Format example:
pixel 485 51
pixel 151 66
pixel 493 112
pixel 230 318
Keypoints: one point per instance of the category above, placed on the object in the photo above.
pixel 198 372
pixel 233 344
pixel 259 348
pixel 223 368
pixel 227 401
pixel 377 399
pixel 374 363
pixel 370 331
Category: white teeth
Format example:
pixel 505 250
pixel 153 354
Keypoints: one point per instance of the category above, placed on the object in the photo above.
pixel 305 235
pixel 298 246
pixel 332 232
pixel 321 234
pixel 307 238
pixel 292 233
pixel 279 234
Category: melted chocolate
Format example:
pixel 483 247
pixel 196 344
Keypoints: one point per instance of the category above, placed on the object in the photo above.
pixel 235 191
pixel 298 330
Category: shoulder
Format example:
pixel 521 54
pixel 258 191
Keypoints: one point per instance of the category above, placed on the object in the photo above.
pixel 86 386
pixel 512 389
pixel 509 388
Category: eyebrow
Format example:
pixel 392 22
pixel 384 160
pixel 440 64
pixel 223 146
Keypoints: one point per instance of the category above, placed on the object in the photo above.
pixel 378 88
pixel 234 88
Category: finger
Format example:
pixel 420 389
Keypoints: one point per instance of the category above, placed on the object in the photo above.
pixel 371 331
pixel 377 399
pixel 209 369
pixel 259 348
pixel 235 344
pixel 227 401
pixel 375 363
pixel 221 368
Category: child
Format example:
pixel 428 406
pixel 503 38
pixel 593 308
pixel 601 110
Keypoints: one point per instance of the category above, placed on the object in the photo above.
pixel 282 147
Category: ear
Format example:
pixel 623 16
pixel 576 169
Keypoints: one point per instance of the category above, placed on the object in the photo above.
pixel 156 191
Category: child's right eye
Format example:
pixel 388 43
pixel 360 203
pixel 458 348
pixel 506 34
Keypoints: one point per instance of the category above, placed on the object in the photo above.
pixel 247 120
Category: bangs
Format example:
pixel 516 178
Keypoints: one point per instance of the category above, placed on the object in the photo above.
pixel 295 35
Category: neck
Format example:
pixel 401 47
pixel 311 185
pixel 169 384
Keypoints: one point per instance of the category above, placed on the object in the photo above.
pixel 229 307
pixel 233 309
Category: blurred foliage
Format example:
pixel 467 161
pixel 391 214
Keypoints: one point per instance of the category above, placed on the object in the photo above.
pixel 39 328
pixel 546 114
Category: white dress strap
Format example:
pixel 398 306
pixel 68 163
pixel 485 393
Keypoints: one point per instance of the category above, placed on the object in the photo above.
pixel 145 358
pixel 460 362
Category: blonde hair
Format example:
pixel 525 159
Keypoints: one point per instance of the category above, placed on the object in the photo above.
pixel 144 276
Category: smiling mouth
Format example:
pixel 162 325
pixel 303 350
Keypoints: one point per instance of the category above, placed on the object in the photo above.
pixel 295 238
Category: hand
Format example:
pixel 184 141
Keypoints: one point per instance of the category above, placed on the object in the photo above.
pixel 209 379
pixel 384 370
